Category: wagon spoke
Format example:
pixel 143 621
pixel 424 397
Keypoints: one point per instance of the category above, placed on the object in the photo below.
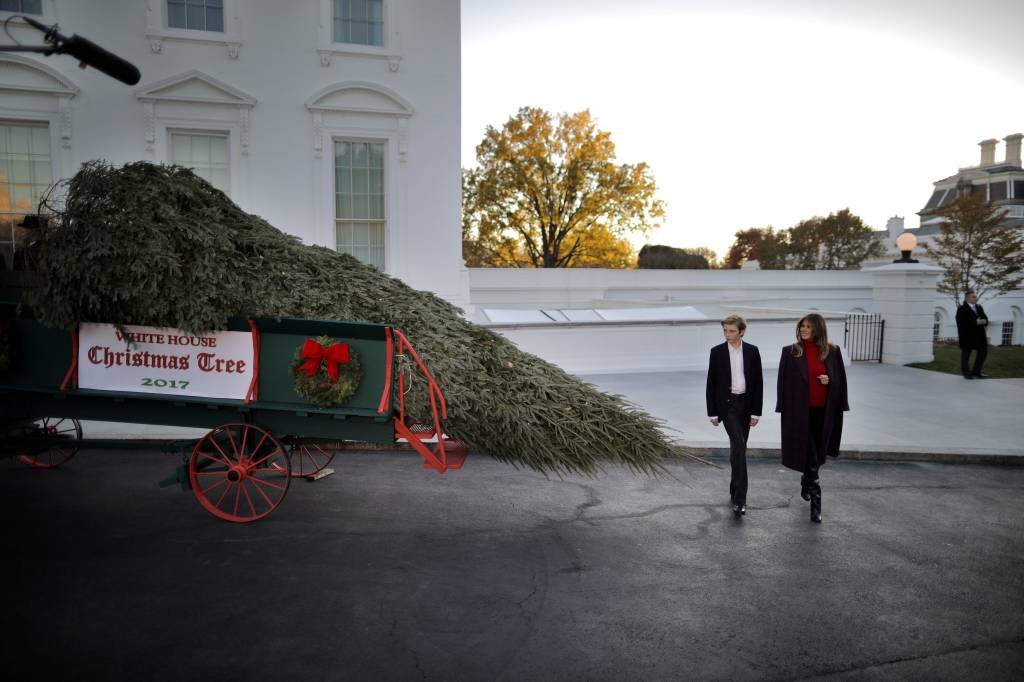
pixel 234 446
pixel 247 498
pixel 227 458
pixel 245 436
pixel 223 494
pixel 260 445
pixel 260 491
pixel 256 465
pixel 238 497
pixel 265 482
pixel 215 459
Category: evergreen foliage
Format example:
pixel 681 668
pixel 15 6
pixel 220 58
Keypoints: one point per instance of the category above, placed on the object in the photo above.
pixel 155 245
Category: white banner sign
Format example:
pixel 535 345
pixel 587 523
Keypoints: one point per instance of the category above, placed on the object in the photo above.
pixel 165 361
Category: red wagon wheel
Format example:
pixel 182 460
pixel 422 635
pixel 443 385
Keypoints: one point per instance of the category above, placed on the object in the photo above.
pixel 310 458
pixel 65 435
pixel 239 472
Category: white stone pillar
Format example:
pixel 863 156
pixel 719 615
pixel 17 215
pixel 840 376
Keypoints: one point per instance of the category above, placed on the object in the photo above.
pixel 904 294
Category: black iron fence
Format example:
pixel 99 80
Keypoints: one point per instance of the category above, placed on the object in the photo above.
pixel 864 334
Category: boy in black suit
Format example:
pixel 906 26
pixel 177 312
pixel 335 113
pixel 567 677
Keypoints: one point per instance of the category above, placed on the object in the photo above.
pixel 734 396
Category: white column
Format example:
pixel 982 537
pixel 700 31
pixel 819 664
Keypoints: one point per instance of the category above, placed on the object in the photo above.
pixel 904 294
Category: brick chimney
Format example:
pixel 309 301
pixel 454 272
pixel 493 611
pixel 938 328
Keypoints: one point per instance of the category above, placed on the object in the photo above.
pixel 988 152
pixel 1013 148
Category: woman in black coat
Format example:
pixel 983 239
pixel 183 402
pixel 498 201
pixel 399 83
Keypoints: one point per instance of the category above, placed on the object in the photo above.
pixel 811 399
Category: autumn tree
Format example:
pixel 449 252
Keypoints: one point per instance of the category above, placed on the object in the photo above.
pixel 548 193
pixel 977 249
pixel 763 244
pixel 840 241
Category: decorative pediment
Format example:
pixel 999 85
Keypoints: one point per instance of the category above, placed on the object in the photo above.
pixel 28 75
pixel 195 87
pixel 359 97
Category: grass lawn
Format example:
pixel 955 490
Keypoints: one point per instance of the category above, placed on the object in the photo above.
pixel 1003 362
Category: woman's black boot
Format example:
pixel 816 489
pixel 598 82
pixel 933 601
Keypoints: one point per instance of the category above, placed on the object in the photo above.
pixel 815 493
pixel 805 491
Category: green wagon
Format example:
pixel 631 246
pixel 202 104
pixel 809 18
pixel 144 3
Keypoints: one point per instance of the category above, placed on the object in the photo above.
pixel 245 385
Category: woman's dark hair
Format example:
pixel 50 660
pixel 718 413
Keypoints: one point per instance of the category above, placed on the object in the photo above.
pixel 819 335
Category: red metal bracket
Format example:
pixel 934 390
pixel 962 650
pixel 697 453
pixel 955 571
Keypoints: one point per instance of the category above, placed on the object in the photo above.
pixel 385 396
pixel 71 377
pixel 448 454
pixel 254 385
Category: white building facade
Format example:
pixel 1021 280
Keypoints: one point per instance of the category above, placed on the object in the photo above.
pixel 338 121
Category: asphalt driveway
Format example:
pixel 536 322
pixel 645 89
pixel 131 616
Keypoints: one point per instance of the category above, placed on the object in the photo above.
pixel 385 571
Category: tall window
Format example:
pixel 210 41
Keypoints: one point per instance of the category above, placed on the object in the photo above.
pixel 1007 336
pixel 206 154
pixel 196 15
pixel 936 327
pixel 22 6
pixel 359 21
pixel 359 200
pixel 25 175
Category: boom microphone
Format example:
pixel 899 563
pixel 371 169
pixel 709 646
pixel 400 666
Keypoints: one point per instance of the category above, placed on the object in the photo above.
pixel 95 56
pixel 89 53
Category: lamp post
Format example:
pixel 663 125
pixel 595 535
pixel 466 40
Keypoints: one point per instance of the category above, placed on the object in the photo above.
pixel 906 243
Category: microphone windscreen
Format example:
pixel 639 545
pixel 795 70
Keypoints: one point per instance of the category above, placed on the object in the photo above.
pixel 91 54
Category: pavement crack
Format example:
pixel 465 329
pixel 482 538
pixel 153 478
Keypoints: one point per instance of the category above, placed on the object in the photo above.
pixel 909 659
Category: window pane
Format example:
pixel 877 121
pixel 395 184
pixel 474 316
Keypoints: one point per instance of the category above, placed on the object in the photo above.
pixel 997 190
pixel 176 15
pixel 180 152
pixel 21 199
pixel 376 156
pixel 376 179
pixel 219 149
pixel 19 140
pixel 359 155
pixel 207 155
pixel 358 11
pixel 342 153
pixel 376 35
pixel 219 178
pixel 196 17
pixel 377 206
pixel 201 150
pixel 41 171
pixel 359 181
pixel 1018 189
pixel 39 141
pixel 214 19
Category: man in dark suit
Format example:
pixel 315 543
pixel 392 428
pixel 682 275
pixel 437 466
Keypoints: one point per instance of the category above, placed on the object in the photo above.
pixel 734 396
pixel 971 323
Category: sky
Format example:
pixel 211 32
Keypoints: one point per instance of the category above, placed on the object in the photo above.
pixel 756 113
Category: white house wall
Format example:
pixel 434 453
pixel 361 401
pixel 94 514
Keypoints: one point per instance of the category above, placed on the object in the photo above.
pixel 713 292
pixel 274 53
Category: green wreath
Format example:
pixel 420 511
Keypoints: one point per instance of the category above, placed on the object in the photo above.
pixel 326 371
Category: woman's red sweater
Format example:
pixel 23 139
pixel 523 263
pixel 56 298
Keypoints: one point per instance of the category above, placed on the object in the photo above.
pixel 815 367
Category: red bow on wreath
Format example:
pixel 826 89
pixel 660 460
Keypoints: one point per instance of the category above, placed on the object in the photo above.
pixel 313 354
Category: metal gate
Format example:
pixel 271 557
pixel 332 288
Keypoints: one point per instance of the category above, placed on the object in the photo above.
pixel 864 335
